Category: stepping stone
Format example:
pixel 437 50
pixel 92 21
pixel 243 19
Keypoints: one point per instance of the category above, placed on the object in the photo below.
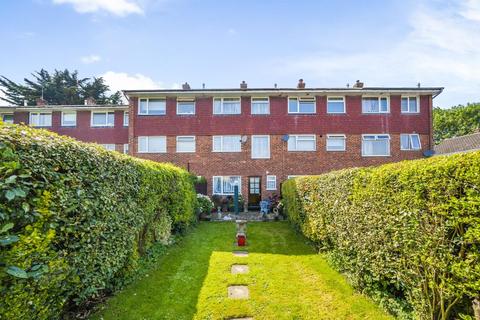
pixel 240 269
pixel 238 292
pixel 240 253
pixel 242 318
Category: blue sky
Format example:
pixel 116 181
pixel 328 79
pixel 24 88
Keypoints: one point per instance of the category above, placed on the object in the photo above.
pixel 148 44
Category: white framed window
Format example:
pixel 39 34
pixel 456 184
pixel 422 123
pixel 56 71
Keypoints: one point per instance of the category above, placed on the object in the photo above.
pixel 260 105
pixel 186 107
pixel 410 105
pixel 301 105
pixel 225 184
pixel 227 144
pixel 375 145
pixel 41 119
pixel 153 107
pixel 7 117
pixel 125 148
pixel 125 118
pixel 302 142
pixel 375 105
pixel 336 142
pixel 335 104
pixel 410 142
pixel 260 147
pixel 185 144
pixel 152 144
pixel 69 118
pixel 108 146
pixel 226 106
pixel 271 183
pixel 103 119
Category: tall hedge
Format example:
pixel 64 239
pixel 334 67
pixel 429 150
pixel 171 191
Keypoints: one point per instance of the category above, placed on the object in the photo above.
pixel 74 219
pixel 407 233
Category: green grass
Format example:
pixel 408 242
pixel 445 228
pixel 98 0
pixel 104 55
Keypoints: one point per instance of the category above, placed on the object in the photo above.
pixel 287 280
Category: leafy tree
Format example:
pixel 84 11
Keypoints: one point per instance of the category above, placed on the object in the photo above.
pixel 457 121
pixel 61 87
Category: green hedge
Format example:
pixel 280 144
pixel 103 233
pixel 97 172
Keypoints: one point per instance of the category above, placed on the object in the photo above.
pixel 407 234
pixel 74 219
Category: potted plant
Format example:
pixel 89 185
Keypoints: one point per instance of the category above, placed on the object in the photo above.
pixel 204 206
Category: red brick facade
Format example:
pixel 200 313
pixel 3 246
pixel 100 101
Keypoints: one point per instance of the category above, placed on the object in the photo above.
pixel 282 163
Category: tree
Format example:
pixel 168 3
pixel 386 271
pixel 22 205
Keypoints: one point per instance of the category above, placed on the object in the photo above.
pixel 61 87
pixel 457 121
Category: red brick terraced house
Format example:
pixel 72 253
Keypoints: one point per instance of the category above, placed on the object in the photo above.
pixel 257 138
pixel 106 125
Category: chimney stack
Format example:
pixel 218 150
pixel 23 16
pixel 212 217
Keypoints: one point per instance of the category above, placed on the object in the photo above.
pixel 203 85
pixel 40 102
pixel 243 85
pixel 418 84
pixel 186 86
pixel 301 84
pixel 358 85
pixel 90 101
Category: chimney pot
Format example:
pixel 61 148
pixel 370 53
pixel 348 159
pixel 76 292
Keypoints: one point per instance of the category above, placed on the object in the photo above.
pixel 301 84
pixel 203 85
pixel 243 85
pixel 186 86
pixel 90 101
pixel 275 85
pixel 358 84
pixel 40 102
pixel 418 84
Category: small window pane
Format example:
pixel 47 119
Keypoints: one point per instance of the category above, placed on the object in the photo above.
pixel 271 182
pixel 307 106
pixel 260 147
pixel 186 144
pixel 156 107
pixel 335 105
pixel 125 118
pixel 143 106
pixel 260 106
pixel 185 107
pixel 404 104
pixel 7 118
pixel 404 142
pixel 69 119
pixel 383 104
pixel 370 105
pixel 99 119
pixel 217 106
pixel 415 141
pixel 156 144
pixel 335 143
pixel 142 144
pixel 292 105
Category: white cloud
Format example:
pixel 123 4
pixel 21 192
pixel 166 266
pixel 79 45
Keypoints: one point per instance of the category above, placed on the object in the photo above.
pixel 117 7
pixel 232 31
pixel 441 50
pixel 90 59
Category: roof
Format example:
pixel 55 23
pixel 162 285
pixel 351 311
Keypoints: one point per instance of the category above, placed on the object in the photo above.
pixel 63 107
pixel 468 142
pixel 434 91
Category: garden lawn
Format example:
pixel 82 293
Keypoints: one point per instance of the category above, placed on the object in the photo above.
pixel 287 280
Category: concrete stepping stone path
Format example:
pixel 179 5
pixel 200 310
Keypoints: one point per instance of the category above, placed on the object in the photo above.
pixel 240 269
pixel 238 292
pixel 240 253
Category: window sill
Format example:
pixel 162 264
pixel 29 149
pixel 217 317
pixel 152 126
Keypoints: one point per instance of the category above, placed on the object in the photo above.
pixel 375 156
pixel 154 152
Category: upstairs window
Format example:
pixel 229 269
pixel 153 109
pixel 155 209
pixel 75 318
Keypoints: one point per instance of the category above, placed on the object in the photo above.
pixel 335 105
pixel 375 145
pixel 301 105
pixel 227 144
pixel 40 119
pixel 225 185
pixel 375 105
pixel 186 107
pixel 410 105
pixel 260 147
pixel 125 118
pixel 152 144
pixel 103 119
pixel 260 106
pixel 336 142
pixel 152 107
pixel 226 106
pixel 304 142
pixel 7 118
pixel 69 119
pixel 410 142
pixel 186 144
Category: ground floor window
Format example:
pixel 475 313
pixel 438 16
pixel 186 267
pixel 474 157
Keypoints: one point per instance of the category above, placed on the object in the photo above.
pixel 125 148
pixel 271 182
pixel 108 146
pixel 336 142
pixel 225 184
pixel 410 142
pixel 375 145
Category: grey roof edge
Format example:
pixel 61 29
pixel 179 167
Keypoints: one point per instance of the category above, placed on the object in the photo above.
pixel 434 90
pixel 66 106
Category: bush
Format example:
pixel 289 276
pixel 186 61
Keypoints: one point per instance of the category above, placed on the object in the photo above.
pixel 205 205
pixel 407 234
pixel 74 219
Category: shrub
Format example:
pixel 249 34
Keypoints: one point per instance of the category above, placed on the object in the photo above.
pixel 407 233
pixel 74 219
pixel 205 205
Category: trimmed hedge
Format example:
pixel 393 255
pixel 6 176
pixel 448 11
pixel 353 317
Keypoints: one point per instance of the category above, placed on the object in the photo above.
pixel 75 218
pixel 407 234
